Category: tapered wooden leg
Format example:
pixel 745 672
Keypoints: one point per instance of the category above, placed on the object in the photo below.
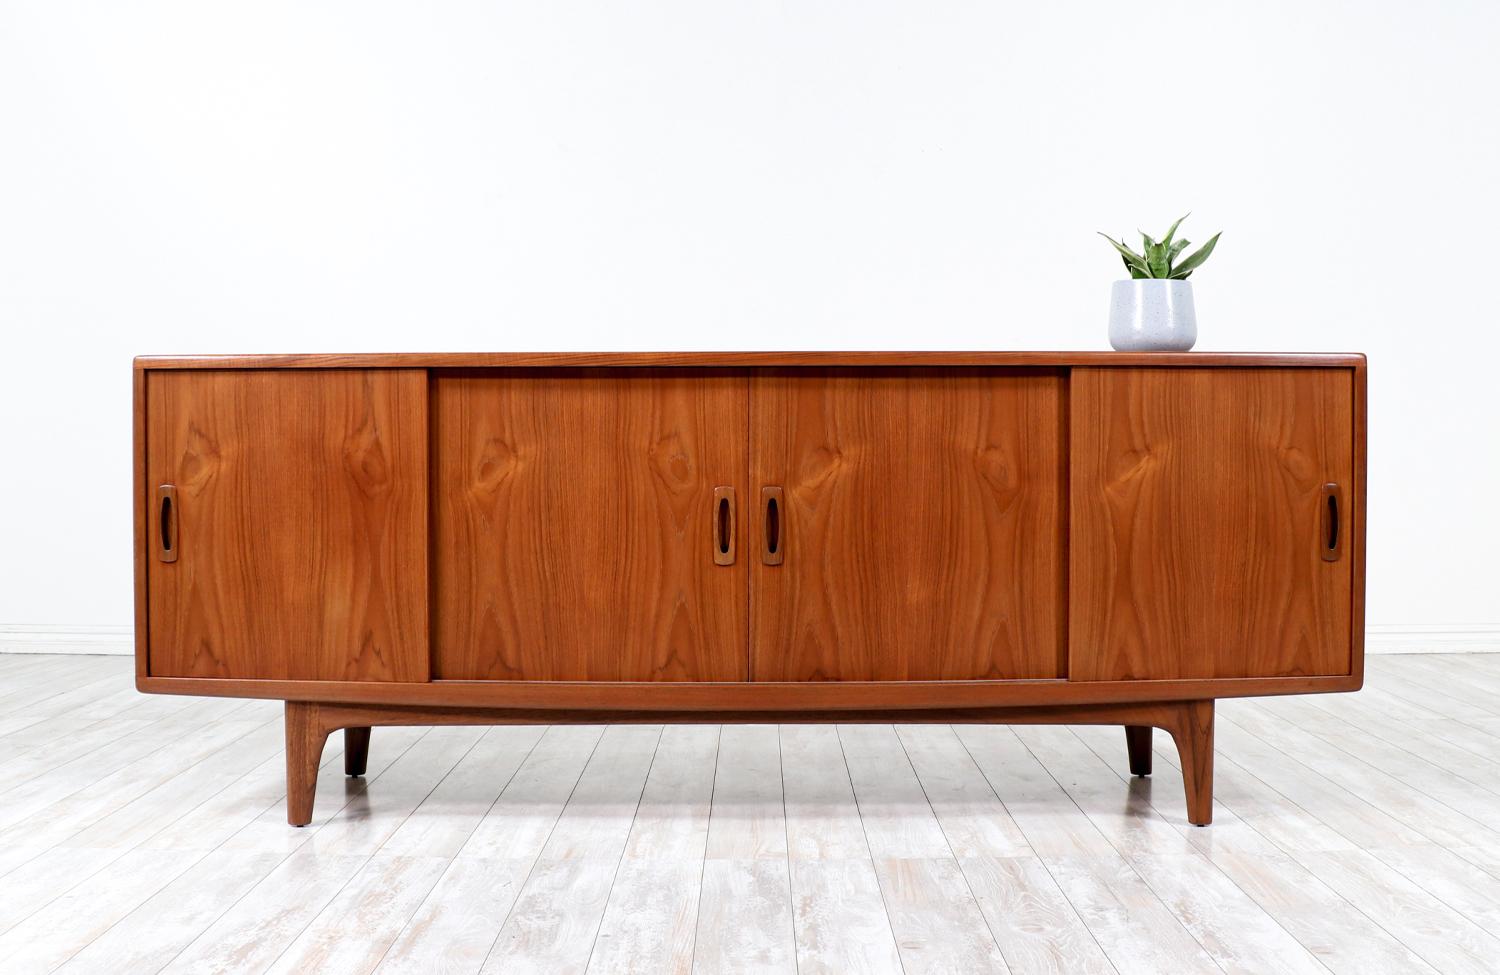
pixel 356 750
pixel 305 736
pixel 1193 730
pixel 1138 744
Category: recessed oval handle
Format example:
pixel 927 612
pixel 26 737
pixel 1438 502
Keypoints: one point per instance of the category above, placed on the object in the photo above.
pixel 723 526
pixel 166 523
pixel 1330 522
pixel 775 524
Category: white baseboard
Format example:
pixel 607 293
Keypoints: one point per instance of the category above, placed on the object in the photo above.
pixel 50 638
pixel 1379 638
pixel 1432 638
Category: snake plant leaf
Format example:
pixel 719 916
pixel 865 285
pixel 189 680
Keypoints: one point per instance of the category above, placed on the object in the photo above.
pixel 1167 240
pixel 1178 246
pixel 1147 245
pixel 1133 260
pixel 1194 259
pixel 1136 272
pixel 1122 248
pixel 1157 261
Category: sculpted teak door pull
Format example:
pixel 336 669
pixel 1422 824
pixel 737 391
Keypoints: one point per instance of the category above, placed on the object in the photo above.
pixel 166 515
pixel 723 526
pixel 775 546
pixel 1331 539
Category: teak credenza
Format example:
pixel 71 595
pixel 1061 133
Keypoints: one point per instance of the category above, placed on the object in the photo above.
pixel 1096 538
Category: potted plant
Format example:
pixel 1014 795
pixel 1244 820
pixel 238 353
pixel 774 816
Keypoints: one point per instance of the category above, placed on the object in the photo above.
pixel 1153 311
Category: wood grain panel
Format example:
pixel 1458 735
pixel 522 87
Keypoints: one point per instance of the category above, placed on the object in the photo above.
pixel 1197 523
pixel 301 502
pixel 574 525
pixel 921 525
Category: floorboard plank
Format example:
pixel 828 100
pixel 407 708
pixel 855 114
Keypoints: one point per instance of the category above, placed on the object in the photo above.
pixel 518 824
pixel 1227 922
pixel 554 923
pixel 938 924
pixel 1124 816
pixel 651 918
pixel 121 821
pixel 1416 810
pixel 822 818
pixel 255 931
pixel 1049 819
pixel 650 922
pixel 1331 929
pixel 671 822
pixel 973 819
pixel 1033 922
pixel 745 918
pixel 1439 935
pixel 898 820
pixel 838 913
pixel 1125 916
pixel 457 925
pixel 353 932
pixel 840 918
pixel 448 817
pixel 748 818
pixel 454 928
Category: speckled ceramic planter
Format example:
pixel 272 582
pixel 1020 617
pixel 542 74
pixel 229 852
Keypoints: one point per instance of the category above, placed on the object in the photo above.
pixel 1152 315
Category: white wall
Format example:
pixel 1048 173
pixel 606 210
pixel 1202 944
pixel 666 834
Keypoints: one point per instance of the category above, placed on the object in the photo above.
pixel 208 177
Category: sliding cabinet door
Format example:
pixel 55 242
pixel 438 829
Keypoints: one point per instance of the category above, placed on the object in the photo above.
pixel 586 525
pixel 1211 525
pixel 288 524
pixel 908 525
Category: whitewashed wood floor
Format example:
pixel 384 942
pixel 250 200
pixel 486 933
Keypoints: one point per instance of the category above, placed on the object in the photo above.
pixel 1354 833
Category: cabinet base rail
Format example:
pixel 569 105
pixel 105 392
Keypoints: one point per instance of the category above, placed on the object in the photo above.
pixel 1190 723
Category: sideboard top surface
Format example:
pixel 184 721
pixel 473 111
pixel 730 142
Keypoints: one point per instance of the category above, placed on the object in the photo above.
pixel 731 360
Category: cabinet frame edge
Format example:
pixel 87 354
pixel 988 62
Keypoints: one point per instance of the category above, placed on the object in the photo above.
pixel 859 694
